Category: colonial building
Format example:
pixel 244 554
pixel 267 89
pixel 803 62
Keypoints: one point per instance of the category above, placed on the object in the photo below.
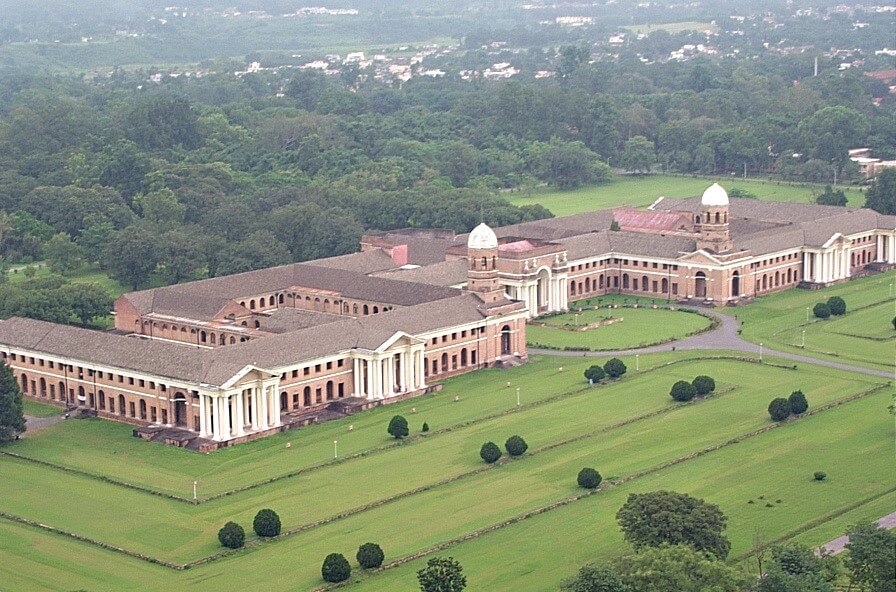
pixel 226 359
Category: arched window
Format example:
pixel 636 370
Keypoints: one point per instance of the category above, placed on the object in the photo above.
pixel 121 409
pixel 271 301
pixel 665 285
pixel 212 339
pixel 329 390
pixel 376 310
pixel 306 397
pixel 366 310
pixel 142 409
pixel 202 337
pixel 444 362
pixel 280 298
pixel 625 281
pixel 463 357
pixel 718 218
pixel 645 284
pixel 24 380
pixel 43 387
pixel 257 325
pixel 232 340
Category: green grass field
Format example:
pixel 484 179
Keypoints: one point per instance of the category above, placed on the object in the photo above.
pixel 626 328
pixel 35 409
pixel 85 276
pixel 672 28
pixel 646 189
pixel 584 427
pixel 864 336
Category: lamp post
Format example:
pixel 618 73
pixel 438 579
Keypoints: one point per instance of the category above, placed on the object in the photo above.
pixel 195 483
pixel 517 396
pixel 760 352
pixel 804 339
pixel 577 316
pixel 807 314
pixel 637 362
pixel 335 449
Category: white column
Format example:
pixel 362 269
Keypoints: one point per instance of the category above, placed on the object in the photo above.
pixel 368 364
pixel 274 406
pixel 255 409
pixel 219 432
pixel 263 413
pixel 203 419
pixel 389 376
pixel 240 420
pixel 879 242
pixel 421 369
pixel 407 366
pixel 356 377
pixel 891 241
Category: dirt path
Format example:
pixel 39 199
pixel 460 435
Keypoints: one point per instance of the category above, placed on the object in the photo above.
pixel 838 545
pixel 722 337
pixel 39 422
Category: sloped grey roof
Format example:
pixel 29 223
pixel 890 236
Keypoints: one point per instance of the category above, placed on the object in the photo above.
pixel 282 320
pixel 367 262
pixel 627 242
pixel 444 273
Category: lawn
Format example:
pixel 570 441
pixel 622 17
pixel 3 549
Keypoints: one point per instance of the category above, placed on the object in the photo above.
pixel 852 443
pixel 35 409
pixel 181 532
pixel 614 328
pixel 643 190
pixel 864 336
pixel 90 275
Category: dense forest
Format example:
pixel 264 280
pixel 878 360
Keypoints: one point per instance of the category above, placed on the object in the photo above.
pixel 197 176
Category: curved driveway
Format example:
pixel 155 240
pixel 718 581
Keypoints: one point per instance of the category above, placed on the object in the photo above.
pixel 722 337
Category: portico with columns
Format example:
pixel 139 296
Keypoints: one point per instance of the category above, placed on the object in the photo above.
pixel 395 368
pixel 246 405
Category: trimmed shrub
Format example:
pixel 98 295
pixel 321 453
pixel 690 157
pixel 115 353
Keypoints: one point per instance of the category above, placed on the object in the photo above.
pixel 398 427
pixel 798 402
pixel 683 391
pixel 516 446
pixel 336 568
pixel 615 368
pixel 837 305
pixel 704 385
pixel 266 523
pixel 820 475
pixel 370 556
pixel 490 452
pixel 779 409
pixel 232 535
pixel 821 310
pixel 589 478
pixel 425 427
pixel 894 323
pixel 595 373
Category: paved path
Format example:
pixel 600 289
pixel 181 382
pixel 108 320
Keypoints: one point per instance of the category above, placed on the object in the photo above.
pixel 722 337
pixel 838 545
pixel 39 422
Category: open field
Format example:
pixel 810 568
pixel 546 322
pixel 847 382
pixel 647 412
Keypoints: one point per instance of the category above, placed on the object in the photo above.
pixel 672 28
pixel 625 328
pixel 864 336
pixel 35 409
pixel 728 476
pixel 622 429
pixel 646 189
pixel 85 276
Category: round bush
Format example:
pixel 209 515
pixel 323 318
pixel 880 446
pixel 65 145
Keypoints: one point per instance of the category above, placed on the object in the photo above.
pixel 615 368
pixel 798 402
pixel 683 391
pixel 490 452
pixel 425 427
pixel 266 523
pixel 515 446
pixel 837 305
pixel 820 475
pixel 779 409
pixel 336 568
pixel 232 535
pixel 398 427
pixel 370 556
pixel 595 373
pixel 589 478
pixel 821 310
pixel 704 385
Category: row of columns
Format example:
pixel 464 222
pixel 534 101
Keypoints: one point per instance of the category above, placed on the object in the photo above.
pixel 827 266
pixel 551 294
pixel 233 414
pixel 375 377
pixel 886 249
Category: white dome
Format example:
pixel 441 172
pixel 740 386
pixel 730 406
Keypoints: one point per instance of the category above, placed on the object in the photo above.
pixel 715 196
pixel 482 237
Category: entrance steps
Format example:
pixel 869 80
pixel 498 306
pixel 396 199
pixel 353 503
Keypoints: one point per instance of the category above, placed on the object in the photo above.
pixel 510 362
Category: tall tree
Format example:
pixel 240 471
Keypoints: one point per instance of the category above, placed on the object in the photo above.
pixel 872 557
pixel 638 155
pixel 882 194
pixel 667 517
pixel 679 568
pixel 131 256
pixel 595 578
pixel 442 574
pixel 12 415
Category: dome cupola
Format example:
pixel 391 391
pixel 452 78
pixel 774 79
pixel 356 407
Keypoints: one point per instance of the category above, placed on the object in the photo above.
pixel 482 237
pixel 715 196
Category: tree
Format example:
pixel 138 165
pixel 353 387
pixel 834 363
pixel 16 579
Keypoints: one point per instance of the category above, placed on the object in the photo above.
pixel 370 556
pixel 821 310
pixel 335 568
pixel 881 196
pixel 568 165
pixel 12 414
pixel 872 557
pixel 893 322
pixel 667 517
pixel 266 523
pixel 87 301
pixel 595 374
pixel 63 255
pixel 831 197
pixel 798 403
pixel 130 256
pixel 779 409
pixel 615 368
pixel 837 305
pixel 232 535
pixel 683 391
pixel 829 133
pixel 161 208
pixel 595 578
pixel 589 478
pixel 442 574
pixel 819 475
pixel 163 122
pixel 398 427
pixel 638 155
pixel 516 446
pixel 795 569
pixel 680 568
pixel 490 452
pixel 704 385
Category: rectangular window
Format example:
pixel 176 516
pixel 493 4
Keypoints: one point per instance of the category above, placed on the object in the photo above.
pixel 317 396
pixel 329 365
pixel 133 409
pixel 317 367
pixel 674 289
pixel 152 414
pixel 306 371
pixel 340 363
pixel 130 380
pixel 295 373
